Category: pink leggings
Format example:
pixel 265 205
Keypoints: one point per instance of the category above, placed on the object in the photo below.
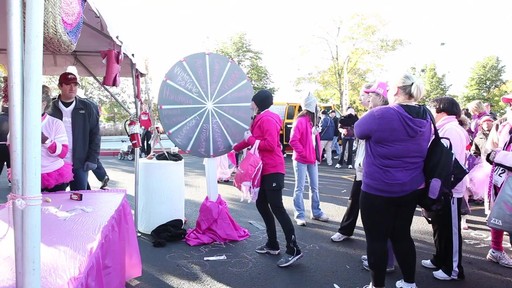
pixel 497 240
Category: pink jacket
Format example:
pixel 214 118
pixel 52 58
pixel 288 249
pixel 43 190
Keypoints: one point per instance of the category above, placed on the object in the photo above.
pixel 266 127
pixel 450 128
pixel 302 142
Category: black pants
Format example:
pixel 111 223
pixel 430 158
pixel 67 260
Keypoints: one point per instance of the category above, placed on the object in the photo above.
pixel 389 218
pixel 146 142
pixel 349 221
pixel 350 153
pixel 270 204
pixel 448 238
pixel 5 157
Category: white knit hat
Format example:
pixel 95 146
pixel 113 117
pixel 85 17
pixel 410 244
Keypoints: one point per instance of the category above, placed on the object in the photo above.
pixel 309 103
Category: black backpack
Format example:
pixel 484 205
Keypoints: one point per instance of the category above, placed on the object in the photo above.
pixel 442 172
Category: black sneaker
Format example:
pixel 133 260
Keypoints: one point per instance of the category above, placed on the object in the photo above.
pixel 263 249
pixel 104 182
pixel 288 259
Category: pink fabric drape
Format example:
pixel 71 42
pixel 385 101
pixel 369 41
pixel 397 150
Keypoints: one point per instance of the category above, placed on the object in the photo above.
pixel 215 224
pixel 90 249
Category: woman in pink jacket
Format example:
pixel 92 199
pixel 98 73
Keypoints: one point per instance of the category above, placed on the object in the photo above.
pixel 447 260
pixel 266 127
pixel 305 142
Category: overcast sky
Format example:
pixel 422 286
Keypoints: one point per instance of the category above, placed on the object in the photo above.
pixel 287 32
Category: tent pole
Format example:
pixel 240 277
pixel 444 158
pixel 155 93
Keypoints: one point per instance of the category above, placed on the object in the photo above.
pixel 103 86
pixel 15 73
pixel 136 102
pixel 31 174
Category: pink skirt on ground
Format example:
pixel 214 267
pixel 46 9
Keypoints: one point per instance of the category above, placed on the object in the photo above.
pixel 62 175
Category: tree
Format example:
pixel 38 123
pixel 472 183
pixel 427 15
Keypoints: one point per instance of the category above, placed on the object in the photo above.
pixel 360 42
pixel 435 84
pixel 486 82
pixel 239 49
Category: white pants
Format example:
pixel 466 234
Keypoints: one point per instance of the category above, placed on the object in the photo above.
pixel 327 144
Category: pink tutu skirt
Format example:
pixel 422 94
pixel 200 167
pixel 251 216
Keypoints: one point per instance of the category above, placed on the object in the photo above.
pixel 62 175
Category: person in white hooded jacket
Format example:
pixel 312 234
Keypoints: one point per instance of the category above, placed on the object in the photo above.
pixel 500 143
pixel 447 234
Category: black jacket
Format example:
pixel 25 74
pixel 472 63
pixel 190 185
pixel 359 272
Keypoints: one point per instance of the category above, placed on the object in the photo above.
pixel 86 131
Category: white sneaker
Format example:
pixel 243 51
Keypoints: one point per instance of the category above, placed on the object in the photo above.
pixel 338 237
pixel 463 223
pixel 500 257
pixel 402 284
pixel 300 222
pixel 322 218
pixel 440 275
pixel 350 167
pixel 369 285
pixel 428 264
pixel 338 166
pixel 364 258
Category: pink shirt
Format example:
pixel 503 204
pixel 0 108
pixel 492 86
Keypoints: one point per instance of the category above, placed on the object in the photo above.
pixel 301 140
pixel 145 120
pixel 266 127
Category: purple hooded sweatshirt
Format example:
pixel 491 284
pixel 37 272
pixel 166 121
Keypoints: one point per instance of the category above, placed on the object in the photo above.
pixel 396 147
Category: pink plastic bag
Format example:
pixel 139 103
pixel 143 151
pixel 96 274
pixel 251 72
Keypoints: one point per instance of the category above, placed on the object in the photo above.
pixel 248 176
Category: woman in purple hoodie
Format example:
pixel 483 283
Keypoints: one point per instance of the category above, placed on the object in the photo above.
pixel 397 138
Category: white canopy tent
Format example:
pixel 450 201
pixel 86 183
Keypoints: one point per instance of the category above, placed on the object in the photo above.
pixel 22 53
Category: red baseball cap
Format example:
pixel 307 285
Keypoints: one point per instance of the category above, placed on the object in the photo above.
pixel 68 78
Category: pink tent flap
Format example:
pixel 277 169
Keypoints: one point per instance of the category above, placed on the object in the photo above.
pixel 215 224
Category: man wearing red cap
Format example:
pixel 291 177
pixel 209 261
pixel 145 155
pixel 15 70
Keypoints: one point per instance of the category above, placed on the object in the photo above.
pixel 81 121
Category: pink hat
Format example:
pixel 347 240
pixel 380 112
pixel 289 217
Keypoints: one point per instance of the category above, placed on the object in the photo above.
pixel 486 118
pixel 380 88
pixel 507 98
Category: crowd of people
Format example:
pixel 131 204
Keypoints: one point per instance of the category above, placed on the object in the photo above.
pixel 389 178
pixel 70 138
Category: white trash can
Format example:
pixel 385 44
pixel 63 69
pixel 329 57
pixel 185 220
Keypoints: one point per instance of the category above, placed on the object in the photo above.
pixel 161 193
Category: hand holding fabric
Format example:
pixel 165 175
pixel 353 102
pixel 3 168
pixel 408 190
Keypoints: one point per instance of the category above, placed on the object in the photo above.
pixel 247 134
pixel 315 130
pixel 90 166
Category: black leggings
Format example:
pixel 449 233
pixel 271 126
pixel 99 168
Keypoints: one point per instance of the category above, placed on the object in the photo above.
pixel 270 204
pixel 389 218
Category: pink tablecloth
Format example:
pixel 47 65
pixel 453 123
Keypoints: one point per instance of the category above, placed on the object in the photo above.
pixel 90 249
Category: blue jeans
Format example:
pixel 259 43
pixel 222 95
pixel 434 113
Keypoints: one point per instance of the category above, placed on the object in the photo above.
pixel 99 172
pixel 300 171
pixel 335 145
pixel 79 181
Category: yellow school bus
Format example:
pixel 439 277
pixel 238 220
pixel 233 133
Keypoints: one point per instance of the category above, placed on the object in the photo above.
pixel 288 111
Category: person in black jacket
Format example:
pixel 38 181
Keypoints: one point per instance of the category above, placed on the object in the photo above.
pixel 346 128
pixel 335 144
pixel 81 120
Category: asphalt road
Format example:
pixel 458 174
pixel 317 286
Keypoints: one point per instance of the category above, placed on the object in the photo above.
pixel 325 264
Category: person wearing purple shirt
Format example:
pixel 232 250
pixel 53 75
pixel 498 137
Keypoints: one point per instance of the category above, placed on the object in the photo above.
pixel 397 138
